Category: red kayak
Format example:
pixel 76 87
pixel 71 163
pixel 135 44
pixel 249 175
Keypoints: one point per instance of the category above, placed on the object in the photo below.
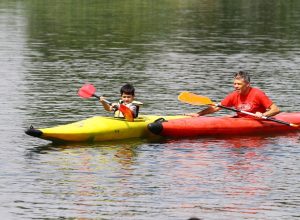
pixel 214 126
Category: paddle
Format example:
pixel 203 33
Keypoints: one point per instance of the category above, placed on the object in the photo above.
pixel 88 91
pixel 194 99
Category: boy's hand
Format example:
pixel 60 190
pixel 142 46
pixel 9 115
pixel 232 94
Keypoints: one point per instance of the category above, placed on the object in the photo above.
pixel 102 99
pixel 114 106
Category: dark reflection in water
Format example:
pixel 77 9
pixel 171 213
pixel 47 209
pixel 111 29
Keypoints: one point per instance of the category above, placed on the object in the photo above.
pixel 48 49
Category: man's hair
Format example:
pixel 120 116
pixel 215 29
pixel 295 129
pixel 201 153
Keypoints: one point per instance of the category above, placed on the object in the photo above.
pixel 242 75
pixel 127 89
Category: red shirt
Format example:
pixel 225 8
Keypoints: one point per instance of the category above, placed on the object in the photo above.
pixel 255 101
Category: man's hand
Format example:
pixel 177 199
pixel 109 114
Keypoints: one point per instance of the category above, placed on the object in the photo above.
pixel 259 114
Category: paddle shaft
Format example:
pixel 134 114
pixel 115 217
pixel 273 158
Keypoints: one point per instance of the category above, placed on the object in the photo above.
pixel 254 115
pixel 104 100
pixel 107 102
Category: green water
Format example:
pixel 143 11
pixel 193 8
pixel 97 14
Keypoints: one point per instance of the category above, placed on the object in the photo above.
pixel 49 49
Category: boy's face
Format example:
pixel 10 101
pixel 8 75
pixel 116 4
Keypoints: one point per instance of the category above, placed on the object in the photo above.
pixel 127 98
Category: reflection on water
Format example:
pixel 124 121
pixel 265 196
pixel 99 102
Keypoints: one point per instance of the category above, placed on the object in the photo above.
pixel 92 174
pixel 238 170
pixel 230 177
pixel 123 151
pixel 48 49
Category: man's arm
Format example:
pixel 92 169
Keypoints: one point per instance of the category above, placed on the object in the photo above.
pixel 209 110
pixel 271 111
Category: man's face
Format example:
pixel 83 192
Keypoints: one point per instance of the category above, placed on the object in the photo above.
pixel 240 86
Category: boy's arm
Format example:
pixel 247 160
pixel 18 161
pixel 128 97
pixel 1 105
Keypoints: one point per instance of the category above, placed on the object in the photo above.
pixel 133 109
pixel 106 106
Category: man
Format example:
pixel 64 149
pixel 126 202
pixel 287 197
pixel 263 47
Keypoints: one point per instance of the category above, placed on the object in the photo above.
pixel 246 98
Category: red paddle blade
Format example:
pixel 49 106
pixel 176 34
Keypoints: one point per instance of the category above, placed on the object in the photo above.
pixel 126 112
pixel 87 91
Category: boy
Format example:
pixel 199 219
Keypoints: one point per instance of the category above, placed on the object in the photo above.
pixel 127 99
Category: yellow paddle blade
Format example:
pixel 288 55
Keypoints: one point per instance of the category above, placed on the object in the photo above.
pixel 194 99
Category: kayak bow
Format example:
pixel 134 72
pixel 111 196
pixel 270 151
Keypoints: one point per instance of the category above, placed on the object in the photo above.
pixel 98 128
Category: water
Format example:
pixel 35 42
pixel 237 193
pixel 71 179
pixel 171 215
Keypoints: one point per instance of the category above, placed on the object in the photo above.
pixel 48 49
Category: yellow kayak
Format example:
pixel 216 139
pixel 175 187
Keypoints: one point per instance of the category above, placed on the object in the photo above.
pixel 98 128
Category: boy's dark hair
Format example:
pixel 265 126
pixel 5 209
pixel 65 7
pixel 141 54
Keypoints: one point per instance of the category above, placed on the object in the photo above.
pixel 242 75
pixel 127 89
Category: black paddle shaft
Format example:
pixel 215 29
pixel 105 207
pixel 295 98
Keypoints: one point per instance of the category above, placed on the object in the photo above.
pixel 264 117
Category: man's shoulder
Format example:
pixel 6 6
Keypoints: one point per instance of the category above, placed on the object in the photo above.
pixel 232 94
pixel 257 90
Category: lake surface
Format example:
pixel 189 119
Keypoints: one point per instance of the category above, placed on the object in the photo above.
pixel 49 49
